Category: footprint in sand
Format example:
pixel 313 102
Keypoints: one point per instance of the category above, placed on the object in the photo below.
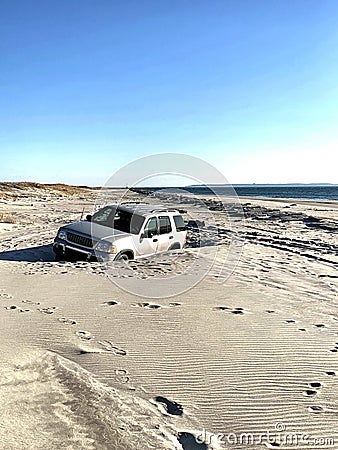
pixel 84 335
pixel 5 295
pixel 84 352
pixel 67 321
pixel 122 376
pixel 237 311
pixel 222 308
pixel 272 444
pixel 31 302
pixel 109 347
pixel 310 392
pixel 316 384
pixel 173 408
pixel 190 442
pixel 146 305
pixel 11 307
pixel 315 409
pixel 153 306
pixel 110 303
pixel 49 310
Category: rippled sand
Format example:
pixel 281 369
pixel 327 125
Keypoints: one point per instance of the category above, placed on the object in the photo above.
pixel 85 365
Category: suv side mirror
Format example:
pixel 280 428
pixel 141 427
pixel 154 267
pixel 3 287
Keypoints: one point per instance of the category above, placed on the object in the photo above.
pixel 89 217
pixel 146 234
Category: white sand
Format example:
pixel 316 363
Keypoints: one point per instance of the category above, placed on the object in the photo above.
pixel 82 361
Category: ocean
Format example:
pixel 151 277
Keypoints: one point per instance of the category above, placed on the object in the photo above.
pixel 308 191
pixel 323 192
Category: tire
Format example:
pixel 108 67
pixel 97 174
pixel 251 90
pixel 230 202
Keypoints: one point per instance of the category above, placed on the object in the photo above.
pixel 59 256
pixel 66 256
pixel 123 256
pixel 175 246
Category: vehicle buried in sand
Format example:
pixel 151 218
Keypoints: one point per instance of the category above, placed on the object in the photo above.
pixel 121 232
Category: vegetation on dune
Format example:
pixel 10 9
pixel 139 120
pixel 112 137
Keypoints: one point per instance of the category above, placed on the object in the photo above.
pixel 10 190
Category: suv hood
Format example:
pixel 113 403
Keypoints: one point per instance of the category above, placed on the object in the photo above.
pixel 95 230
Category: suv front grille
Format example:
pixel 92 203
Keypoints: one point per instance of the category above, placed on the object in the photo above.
pixel 80 240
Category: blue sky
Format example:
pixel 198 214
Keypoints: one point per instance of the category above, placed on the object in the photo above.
pixel 250 86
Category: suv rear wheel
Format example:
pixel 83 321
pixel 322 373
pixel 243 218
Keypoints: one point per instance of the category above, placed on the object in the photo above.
pixel 175 246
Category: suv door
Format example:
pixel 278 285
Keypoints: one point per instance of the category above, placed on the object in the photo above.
pixel 148 242
pixel 165 237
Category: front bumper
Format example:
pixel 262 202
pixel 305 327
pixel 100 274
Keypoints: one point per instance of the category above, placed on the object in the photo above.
pixel 60 247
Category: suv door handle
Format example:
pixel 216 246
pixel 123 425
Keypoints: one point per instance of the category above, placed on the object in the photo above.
pixel 171 237
pixel 155 240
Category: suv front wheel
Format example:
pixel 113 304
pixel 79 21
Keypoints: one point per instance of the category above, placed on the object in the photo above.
pixel 123 256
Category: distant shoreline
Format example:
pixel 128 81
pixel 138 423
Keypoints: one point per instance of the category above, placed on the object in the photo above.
pixel 301 192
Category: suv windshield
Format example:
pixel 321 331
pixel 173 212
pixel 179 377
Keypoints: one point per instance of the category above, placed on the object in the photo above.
pixel 114 217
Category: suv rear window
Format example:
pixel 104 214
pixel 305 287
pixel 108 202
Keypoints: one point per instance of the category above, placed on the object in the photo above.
pixel 165 225
pixel 179 223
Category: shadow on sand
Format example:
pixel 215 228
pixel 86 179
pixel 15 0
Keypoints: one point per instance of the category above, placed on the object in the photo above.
pixel 189 442
pixel 32 254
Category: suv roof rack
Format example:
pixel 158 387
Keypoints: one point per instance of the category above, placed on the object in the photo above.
pixel 133 203
pixel 163 210
pixel 146 208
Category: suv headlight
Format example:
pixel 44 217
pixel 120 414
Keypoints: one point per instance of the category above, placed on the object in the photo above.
pixel 106 247
pixel 62 234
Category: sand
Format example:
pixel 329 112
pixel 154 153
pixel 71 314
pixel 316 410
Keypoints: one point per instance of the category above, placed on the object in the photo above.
pixel 245 361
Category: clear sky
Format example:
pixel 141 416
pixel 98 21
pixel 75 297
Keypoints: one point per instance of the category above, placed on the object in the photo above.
pixel 251 86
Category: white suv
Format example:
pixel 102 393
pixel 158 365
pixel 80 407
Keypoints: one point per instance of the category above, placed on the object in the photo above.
pixel 124 231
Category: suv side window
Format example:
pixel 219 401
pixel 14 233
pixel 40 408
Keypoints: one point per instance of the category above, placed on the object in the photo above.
pixel 179 223
pixel 165 225
pixel 151 228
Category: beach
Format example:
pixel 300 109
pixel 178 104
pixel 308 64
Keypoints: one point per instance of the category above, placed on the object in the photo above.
pixel 246 358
